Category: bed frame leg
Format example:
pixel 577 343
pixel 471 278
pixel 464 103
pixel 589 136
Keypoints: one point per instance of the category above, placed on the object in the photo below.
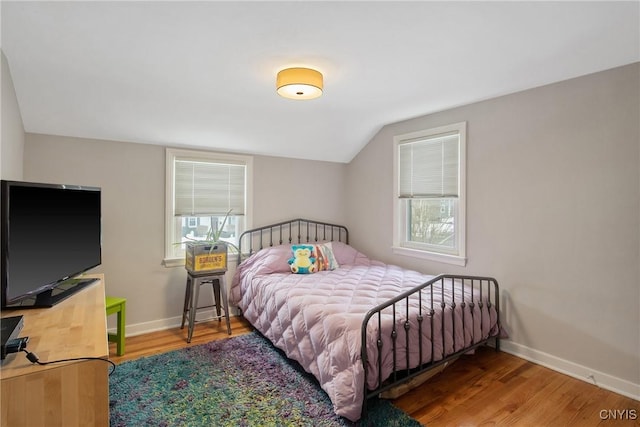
pixel 364 411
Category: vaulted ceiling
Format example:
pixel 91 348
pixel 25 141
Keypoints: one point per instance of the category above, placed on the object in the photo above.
pixel 202 74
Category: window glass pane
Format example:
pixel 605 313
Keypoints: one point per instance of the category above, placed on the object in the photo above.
pixel 196 228
pixel 432 221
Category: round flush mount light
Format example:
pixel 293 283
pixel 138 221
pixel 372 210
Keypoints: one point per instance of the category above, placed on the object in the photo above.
pixel 299 83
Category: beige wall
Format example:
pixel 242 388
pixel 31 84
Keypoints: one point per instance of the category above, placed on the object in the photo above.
pixel 552 212
pixel 12 134
pixel 289 188
pixel 132 178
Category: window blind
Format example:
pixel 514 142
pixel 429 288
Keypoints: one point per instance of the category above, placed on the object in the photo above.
pixel 429 167
pixel 208 188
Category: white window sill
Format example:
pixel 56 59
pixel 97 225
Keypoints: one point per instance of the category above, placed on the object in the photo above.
pixel 173 262
pixel 431 256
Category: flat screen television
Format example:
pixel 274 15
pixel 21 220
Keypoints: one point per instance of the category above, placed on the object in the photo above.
pixel 51 233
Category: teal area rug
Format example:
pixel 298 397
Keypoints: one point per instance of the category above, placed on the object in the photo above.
pixel 240 381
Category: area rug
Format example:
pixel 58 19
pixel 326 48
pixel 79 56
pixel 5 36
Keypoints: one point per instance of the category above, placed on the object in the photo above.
pixel 240 381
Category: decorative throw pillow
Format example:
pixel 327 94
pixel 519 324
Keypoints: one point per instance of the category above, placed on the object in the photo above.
pixel 272 259
pixel 347 255
pixel 302 262
pixel 325 260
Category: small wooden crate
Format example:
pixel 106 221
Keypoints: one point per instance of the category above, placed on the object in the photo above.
pixel 203 258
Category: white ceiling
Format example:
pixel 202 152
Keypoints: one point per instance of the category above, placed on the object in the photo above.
pixel 202 74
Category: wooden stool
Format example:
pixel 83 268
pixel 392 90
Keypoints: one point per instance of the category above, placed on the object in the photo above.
pixel 192 293
pixel 117 305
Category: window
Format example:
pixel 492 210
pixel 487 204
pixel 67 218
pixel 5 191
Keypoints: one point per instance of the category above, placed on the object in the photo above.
pixel 201 189
pixel 429 199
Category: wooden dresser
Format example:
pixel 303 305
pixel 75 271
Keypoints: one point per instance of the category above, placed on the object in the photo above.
pixel 74 393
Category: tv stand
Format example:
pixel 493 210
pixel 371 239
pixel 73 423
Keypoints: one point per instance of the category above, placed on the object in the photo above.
pixel 53 296
pixel 74 393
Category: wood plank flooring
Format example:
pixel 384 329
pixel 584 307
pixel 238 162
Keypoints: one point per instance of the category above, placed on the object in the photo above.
pixel 486 389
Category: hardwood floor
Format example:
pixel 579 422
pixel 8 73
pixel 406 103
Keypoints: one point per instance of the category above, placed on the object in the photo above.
pixel 486 389
pixel 176 338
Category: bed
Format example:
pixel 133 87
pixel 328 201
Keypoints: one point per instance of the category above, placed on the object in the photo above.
pixel 362 327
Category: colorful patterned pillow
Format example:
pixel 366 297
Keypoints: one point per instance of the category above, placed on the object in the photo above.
pixel 325 260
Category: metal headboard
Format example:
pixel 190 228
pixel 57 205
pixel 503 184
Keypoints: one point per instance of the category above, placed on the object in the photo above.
pixel 297 230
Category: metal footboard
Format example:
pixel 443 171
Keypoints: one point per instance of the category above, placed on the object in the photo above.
pixel 466 293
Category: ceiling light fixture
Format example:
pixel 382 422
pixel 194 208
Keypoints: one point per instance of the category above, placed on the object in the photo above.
pixel 299 83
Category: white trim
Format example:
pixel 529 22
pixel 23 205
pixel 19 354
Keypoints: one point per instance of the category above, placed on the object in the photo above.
pixel 173 262
pixel 566 367
pixel 195 156
pixel 398 216
pixel 170 155
pixel 172 322
pixel 431 256
pixel 584 373
pixel 169 196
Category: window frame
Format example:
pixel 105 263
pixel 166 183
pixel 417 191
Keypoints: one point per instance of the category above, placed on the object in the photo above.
pixel 171 154
pixel 400 244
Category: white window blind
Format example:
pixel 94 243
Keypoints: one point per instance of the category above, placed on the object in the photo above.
pixel 428 168
pixel 208 188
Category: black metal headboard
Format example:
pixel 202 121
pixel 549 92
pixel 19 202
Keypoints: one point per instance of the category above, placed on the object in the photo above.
pixel 287 232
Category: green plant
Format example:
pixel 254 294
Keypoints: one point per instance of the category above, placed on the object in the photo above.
pixel 213 236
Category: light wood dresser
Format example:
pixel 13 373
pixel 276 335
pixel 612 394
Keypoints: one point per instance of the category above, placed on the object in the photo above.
pixel 74 393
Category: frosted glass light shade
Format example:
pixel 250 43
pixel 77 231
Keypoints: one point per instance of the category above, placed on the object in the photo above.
pixel 299 83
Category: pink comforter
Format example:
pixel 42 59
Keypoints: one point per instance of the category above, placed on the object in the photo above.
pixel 316 318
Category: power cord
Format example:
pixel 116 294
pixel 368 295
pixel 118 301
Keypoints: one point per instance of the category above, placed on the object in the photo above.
pixel 34 359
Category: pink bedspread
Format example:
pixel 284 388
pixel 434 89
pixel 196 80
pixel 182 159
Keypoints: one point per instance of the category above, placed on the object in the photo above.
pixel 316 318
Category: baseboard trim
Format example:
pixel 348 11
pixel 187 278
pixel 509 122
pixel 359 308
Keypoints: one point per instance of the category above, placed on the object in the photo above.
pixel 586 374
pixel 583 373
pixel 163 324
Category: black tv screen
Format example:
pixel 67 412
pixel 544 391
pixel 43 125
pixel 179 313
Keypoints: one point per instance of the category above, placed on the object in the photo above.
pixel 50 233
